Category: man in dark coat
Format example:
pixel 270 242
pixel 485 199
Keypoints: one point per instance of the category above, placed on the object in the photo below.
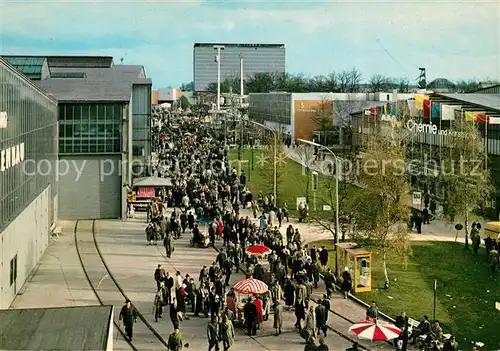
pixel 250 314
pixel 159 272
pixel 323 257
pixel 129 316
pixel 321 313
pixel 326 302
pixel 169 283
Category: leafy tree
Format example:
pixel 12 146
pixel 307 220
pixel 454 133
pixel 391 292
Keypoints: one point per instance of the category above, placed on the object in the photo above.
pixel 465 175
pixel 382 174
pixel 323 118
pixel 187 86
pixel 184 102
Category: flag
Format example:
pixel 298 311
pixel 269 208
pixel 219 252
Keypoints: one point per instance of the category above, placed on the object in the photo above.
pixel 412 108
pixel 372 111
pixel 435 110
pixel 394 109
pixel 385 109
pixel 427 108
pixel 448 112
pixel 494 120
pixel 472 116
pixel 419 101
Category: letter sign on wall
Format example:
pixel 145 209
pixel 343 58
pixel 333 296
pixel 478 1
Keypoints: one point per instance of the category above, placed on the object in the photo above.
pixel 3 120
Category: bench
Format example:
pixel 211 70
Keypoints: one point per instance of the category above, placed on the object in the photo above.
pixel 55 230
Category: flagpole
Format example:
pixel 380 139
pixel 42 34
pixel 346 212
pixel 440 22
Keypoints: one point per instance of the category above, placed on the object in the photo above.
pixel 487 123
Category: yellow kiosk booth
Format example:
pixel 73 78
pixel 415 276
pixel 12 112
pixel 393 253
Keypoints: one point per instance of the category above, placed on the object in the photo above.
pixel 492 230
pixel 359 263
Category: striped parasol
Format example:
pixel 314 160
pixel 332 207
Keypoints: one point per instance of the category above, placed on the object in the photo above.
pixel 250 286
pixel 375 331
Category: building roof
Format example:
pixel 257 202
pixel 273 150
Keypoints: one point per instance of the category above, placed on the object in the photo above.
pixel 28 65
pixel 98 85
pixel 69 61
pixel 490 101
pixel 241 45
pixel 60 328
pixel 441 83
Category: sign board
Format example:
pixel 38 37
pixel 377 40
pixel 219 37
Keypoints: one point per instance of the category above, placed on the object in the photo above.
pixel 327 208
pixel 131 196
pixel 298 201
pixel 3 119
pixel 417 198
pixel 315 181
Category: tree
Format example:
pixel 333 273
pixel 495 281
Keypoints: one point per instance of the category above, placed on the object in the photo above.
pixel 184 102
pixel 306 158
pixel 466 177
pixel 187 86
pixel 267 160
pixel 323 116
pixel 467 86
pixel 382 174
pixel 378 83
pixel 403 85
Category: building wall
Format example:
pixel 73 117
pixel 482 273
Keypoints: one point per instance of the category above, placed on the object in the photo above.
pixel 154 97
pixel 305 114
pixel 257 58
pixel 22 244
pixel 141 128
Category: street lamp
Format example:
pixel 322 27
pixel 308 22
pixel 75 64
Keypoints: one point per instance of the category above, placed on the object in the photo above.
pixel 337 170
pixel 217 59
pixel 275 171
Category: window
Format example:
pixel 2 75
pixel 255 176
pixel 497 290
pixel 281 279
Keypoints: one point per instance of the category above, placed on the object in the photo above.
pixel 13 270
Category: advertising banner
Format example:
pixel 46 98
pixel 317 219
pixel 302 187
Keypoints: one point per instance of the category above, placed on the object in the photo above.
pixel 307 115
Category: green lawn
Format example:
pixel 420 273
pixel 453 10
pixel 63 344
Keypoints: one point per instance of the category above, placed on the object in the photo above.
pixel 467 291
pixel 292 185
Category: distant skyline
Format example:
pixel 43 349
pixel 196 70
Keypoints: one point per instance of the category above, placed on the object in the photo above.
pixel 451 39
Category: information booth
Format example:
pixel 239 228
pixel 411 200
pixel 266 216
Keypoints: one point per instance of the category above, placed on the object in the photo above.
pixel 359 263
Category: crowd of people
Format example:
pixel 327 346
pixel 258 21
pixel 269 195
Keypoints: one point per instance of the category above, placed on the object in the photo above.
pixel 208 193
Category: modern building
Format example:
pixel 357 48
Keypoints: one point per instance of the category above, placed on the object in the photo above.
pixel 28 182
pixel 427 127
pixel 257 58
pixel 299 113
pixel 104 118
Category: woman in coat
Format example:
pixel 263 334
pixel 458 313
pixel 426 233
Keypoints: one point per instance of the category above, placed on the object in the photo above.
pixel 213 334
pixel 278 317
pixel 226 332
pixel 346 282
pixel 289 294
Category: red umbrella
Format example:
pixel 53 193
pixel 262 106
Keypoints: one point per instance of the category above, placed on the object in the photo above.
pixel 250 286
pixel 375 331
pixel 258 249
pixel 163 137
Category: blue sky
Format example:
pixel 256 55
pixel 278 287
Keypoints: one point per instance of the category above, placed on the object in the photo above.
pixel 452 39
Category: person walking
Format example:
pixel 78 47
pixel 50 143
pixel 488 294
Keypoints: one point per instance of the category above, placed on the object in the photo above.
pixel 226 330
pixel 158 303
pixel 278 317
pixel 159 273
pixel 175 340
pixel 213 334
pixel 346 282
pixel 168 244
pixel 321 313
pixel 129 316
pixel 174 316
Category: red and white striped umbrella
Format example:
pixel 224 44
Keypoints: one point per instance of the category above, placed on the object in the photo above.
pixel 375 331
pixel 250 286
pixel 258 249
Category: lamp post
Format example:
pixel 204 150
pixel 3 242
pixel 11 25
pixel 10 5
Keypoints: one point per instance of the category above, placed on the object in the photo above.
pixel 275 156
pixel 337 169
pixel 217 59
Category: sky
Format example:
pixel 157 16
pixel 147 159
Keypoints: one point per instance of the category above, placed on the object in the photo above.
pixel 451 39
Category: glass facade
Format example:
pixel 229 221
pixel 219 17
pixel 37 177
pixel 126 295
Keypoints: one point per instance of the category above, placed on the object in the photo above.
pixel 257 58
pixel 90 128
pixel 141 121
pixel 270 107
pixel 28 144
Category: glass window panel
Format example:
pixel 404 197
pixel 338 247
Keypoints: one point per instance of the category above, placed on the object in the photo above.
pixel 101 112
pixel 101 131
pixel 93 112
pixel 93 148
pixel 118 112
pixel 68 130
pixel 84 112
pixel 69 112
pixel 110 111
pixel 77 112
pixel 85 146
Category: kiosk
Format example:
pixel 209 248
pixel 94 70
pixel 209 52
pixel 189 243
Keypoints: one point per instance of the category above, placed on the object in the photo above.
pixel 359 263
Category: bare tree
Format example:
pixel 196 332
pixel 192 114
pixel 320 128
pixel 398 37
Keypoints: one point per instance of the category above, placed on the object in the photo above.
pixel 342 109
pixel 354 80
pixel 378 83
pixel 306 158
